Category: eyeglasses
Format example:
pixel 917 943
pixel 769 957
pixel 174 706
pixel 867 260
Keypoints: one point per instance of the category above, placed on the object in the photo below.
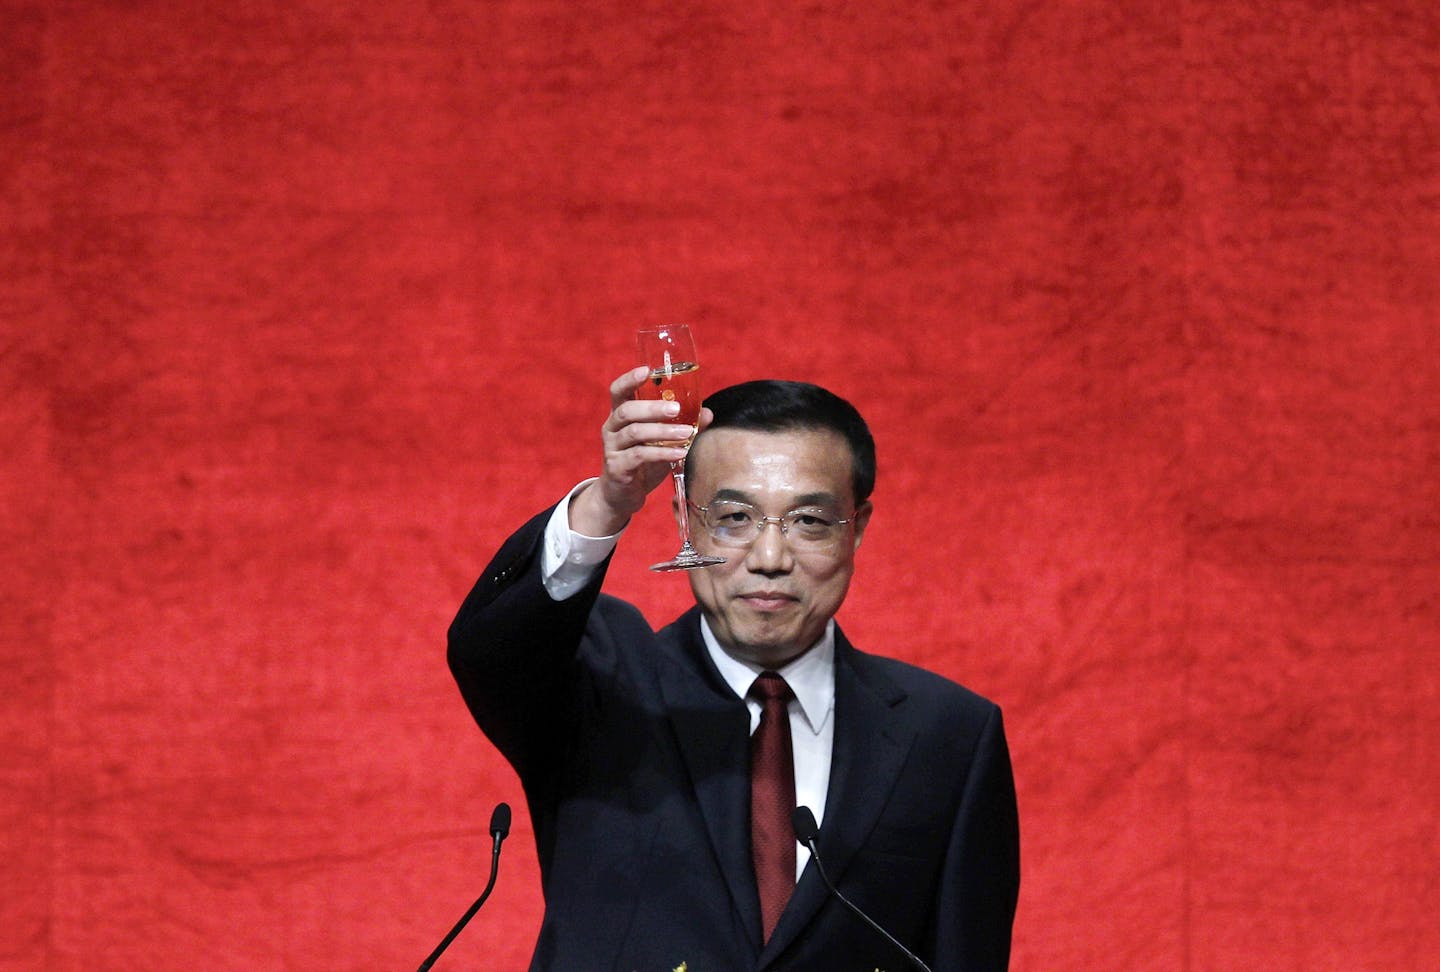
pixel 735 524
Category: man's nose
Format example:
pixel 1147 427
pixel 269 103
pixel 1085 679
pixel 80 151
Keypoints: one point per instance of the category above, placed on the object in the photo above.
pixel 770 550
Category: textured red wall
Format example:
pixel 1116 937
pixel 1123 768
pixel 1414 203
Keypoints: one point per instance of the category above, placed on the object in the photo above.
pixel 306 305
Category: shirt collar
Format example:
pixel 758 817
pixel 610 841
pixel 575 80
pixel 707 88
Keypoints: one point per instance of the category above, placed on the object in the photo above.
pixel 811 676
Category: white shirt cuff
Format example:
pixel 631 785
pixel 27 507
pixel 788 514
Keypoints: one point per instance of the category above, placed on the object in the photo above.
pixel 568 560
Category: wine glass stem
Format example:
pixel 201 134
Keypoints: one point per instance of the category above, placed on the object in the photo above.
pixel 677 471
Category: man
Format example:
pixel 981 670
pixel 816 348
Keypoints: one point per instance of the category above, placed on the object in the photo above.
pixel 635 747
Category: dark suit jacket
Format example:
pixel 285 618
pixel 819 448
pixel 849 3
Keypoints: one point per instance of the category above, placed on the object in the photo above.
pixel 634 753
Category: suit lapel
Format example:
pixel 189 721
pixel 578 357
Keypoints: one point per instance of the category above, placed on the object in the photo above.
pixel 871 742
pixel 712 727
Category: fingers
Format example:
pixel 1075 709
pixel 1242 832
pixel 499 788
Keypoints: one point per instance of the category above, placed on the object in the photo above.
pixel 634 421
pixel 640 442
pixel 622 389
pixel 638 470
pixel 626 435
pixel 637 435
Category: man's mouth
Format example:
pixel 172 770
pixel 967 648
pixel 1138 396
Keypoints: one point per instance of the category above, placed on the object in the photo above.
pixel 766 600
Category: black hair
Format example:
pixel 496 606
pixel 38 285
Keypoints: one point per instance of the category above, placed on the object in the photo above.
pixel 778 406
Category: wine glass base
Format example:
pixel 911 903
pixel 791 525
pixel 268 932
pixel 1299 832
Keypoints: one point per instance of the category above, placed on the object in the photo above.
pixel 685 561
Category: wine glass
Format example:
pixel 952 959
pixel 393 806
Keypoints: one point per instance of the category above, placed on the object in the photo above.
pixel 669 352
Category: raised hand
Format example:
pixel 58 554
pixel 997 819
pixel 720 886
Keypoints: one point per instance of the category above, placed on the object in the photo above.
pixel 634 461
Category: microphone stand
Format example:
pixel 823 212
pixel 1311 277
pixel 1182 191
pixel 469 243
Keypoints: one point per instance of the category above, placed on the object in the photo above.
pixel 806 830
pixel 499 830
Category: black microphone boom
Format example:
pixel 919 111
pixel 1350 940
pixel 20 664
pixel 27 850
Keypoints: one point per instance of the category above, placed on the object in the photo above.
pixel 499 830
pixel 808 833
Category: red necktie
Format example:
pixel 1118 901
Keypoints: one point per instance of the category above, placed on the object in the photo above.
pixel 772 798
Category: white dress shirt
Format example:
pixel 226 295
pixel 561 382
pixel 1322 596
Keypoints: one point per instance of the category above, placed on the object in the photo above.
pixel 568 561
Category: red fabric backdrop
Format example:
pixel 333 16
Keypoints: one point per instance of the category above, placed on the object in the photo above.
pixel 306 305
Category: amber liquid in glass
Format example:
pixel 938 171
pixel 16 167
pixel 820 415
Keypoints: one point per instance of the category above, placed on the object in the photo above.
pixel 679 382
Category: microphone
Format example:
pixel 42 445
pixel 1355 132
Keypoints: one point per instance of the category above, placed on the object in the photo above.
pixel 808 833
pixel 499 830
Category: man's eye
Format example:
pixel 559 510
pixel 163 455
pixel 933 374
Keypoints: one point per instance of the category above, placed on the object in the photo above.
pixel 811 520
pixel 736 518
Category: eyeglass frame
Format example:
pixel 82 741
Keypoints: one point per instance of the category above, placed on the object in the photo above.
pixel 761 520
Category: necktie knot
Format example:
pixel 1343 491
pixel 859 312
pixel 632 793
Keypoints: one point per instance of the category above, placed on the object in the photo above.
pixel 769 687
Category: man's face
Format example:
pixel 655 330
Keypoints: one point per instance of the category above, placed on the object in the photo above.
pixel 769 602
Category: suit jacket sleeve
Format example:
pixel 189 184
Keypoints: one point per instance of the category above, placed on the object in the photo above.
pixel 513 651
pixel 981 881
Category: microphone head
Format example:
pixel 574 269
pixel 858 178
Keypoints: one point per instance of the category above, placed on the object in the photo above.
pixel 500 821
pixel 806 830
